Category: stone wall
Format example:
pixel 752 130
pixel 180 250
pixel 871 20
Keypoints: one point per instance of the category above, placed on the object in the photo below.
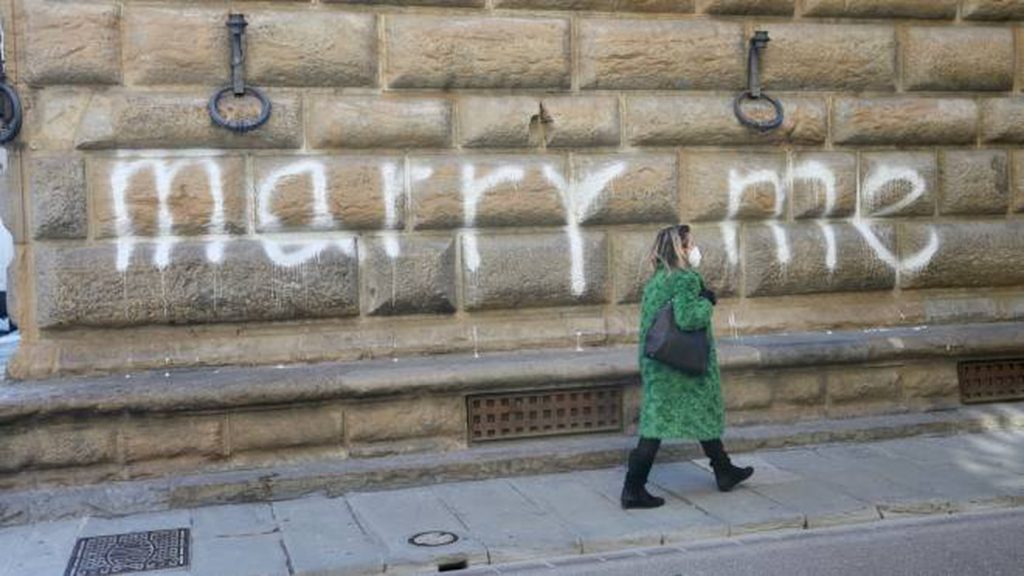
pixel 451 175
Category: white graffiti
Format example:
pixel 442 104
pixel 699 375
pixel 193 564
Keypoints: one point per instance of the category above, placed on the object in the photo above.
pixel 579 201
pixel 581 196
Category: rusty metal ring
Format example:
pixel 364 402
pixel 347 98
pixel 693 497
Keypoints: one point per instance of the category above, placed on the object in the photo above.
pixel 763 126
pixel 240 126
pixel 11 127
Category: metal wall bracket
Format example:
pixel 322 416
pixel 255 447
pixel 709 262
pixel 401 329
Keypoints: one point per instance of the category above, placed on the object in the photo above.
pixel 236 24
pixel 753 92
pixel 10 103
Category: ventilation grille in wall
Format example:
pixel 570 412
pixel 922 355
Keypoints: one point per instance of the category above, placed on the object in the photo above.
pixel 544 413
pixel 991 380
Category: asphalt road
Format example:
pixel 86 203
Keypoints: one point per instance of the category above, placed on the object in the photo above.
pixel 989 544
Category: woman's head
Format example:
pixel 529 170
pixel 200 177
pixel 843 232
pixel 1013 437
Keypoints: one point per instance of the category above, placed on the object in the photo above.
pixel 674 248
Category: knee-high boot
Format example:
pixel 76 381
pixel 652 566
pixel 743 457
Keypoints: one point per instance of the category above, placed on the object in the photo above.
pixel 641 459
pixel 727 476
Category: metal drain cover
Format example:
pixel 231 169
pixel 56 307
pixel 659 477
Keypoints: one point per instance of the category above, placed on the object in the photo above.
pixel 433 539
pixel 130 553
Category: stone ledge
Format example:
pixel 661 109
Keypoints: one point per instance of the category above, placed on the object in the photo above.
pixel 232 387
pixel 332 477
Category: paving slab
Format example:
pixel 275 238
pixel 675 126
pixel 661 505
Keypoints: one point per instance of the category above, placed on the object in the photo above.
pixel 743 510
pixel 233 520
pixel 250 555
pixel 395 516
pixel 599 522
pixel 169 520
pixel 678 520
pixel 323 538
pixel 43 548
pixel 510 526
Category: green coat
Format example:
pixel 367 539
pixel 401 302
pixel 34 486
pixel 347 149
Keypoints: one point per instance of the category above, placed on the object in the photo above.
pixel 677 405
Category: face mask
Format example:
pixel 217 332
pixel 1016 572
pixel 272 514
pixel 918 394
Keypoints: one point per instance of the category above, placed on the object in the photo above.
pixel 695 257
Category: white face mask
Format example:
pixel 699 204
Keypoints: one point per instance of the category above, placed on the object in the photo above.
pixel 694 257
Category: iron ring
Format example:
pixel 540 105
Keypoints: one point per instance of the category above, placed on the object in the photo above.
pixel 240 126
pixel 10 130
pixel 763 126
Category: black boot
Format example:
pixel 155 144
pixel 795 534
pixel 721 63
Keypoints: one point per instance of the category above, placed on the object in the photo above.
pixel 634 492
pixel 727 476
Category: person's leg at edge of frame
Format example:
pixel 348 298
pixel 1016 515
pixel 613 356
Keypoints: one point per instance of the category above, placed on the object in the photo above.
pixel 727 476
pixel 641 459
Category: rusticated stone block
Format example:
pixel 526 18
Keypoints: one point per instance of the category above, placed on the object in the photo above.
pixel 477 52
pixel 447 3
pixel 1017 202
pixel 829 57
pixel 750 393
pixel 798 388
pixel 578 121
pixel 75 444
pixel 285 428
pixel 329 193
pixel 898 183
pixel 653 55
pixel 683 6
pixel 904 120
pixel 202 196
pixel 931 385
pixel 153 437
pixel 709 120
pixel 993 9
pixel 617 189
pixel 311 47
pixel 522 121
pixel 731 185
pixel 962 254
pixel 57 189
pixel 958 58
pixel 284 47
pixel 824 184
pixel 630 250
pixel 1002 120
pixel 83 286
pixel 537 270
pixel 159 51
pixel 56 114
pixel 405 275
pixel 407 418
pixel 859 390
pixel 176 120
pixel 18 446
pixel 774 7
pixel 12 208
pixel 71 42
pixel 499 122
pixel 815 257
pixel 379 122
pixel 451 192
pixel 925 9
pixel 973 182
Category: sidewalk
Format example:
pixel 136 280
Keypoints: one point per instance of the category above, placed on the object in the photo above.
pixel 534 517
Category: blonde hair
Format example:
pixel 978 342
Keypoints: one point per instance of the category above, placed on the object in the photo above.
pixel 668 245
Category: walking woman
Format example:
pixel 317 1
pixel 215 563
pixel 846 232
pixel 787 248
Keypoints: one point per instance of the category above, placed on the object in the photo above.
pixel 676 404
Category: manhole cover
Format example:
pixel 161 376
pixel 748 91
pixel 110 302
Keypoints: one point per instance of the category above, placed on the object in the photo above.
pixel 433 539
pixel 128 553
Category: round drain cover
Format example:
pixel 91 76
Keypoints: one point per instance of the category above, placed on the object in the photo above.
pixel 433 538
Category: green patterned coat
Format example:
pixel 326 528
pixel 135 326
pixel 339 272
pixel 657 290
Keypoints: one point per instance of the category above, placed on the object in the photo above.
pixel 675 404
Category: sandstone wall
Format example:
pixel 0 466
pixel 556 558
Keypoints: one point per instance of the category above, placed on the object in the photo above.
pixel 450 175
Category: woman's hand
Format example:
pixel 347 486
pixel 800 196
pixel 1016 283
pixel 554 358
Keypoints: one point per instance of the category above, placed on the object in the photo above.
pixel 709 296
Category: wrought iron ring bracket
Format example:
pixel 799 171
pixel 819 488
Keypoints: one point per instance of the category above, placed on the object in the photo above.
pixel 753 91
pixel 10 103
pixel 236 24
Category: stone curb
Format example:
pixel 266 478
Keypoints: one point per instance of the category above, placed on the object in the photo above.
pixel 710 543
pixel 501 460
pixel 217 389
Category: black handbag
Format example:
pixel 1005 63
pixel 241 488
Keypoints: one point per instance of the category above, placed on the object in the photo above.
pixel 684 350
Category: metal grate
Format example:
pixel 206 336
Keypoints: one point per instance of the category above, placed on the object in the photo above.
pixel 544 413
pixel 130 553
pixel 991 380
